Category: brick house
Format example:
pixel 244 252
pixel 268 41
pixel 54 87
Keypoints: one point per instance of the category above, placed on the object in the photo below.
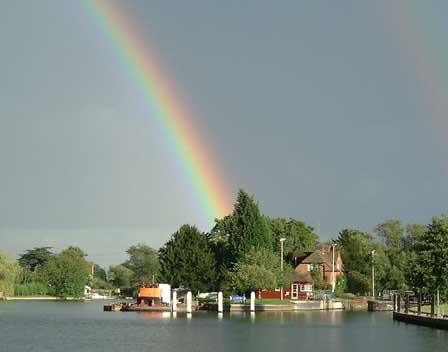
pixel 321 258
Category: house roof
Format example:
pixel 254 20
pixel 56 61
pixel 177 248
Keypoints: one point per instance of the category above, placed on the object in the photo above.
pixel 317 257
pixel 296 277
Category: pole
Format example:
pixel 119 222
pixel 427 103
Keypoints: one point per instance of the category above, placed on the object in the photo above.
pixel 394 296
pixel 174 303
pixel 419 307
pixel 252 301
pixel 438 304
pixel 373 274
pixel 333 284
pixel 189 302
pixel 220 307
pixel 432 304
pixel 281 264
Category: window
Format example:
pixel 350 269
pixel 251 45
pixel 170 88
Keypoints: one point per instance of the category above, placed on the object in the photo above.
pixel 306 288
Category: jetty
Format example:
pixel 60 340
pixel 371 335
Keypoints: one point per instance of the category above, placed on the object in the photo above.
pixel 402 312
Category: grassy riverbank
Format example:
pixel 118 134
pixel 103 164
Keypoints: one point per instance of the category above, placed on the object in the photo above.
pixel 443 309
pixel 43 298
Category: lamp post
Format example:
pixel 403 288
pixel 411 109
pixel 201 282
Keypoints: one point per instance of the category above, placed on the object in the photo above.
pixel 373 274
pixel 281 264
pixel 333 284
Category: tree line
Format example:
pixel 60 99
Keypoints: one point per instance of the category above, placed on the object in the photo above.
pixel 242 253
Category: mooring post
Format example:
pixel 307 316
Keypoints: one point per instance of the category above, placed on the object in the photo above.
pixel 220 302
pixel 394 296
pixel 419 306
pixel 398 303
pixel 189 302
pixel 406 303
pixel 432 304
pixel 252 301
pixel 174 303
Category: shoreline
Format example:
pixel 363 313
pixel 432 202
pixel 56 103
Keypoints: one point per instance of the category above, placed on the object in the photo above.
pixel 43 298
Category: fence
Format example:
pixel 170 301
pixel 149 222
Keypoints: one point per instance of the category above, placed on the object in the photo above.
pixel 323 295
pixel 404 303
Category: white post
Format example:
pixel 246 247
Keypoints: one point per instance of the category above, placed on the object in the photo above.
pixel 174 303
pixel 373 274
pixel 281 264
pixel 252 301
pixel 189 302
pixel 438 303
pixel 220 302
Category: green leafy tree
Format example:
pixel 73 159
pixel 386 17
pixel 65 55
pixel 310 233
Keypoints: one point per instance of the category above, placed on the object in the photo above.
pixel 257 269
pixel 316 276
pixel 187 260
pixel 356 247
pixel 356 251
pixel 35 257
pixel 248 277
pixel 9 269
pixel 249 228
pixel 67 273
pixel 99 272
pixel 358 283
pixel 430 270
pixel 298 236
pixel 392 233
pixel 143 262
pixel 99 279
pixel 414 232
pixel 120 276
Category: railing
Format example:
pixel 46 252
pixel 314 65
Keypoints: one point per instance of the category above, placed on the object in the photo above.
pixel 323 295
pixel 404 302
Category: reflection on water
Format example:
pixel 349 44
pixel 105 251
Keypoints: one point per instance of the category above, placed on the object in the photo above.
pixel 154 315
pixel 56 326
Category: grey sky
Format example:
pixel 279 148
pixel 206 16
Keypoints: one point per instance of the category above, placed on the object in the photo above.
pixel 315 107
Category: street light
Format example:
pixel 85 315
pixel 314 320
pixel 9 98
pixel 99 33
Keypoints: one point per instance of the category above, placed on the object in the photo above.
pixel 281 264
pixel 373 274
pixel 333 284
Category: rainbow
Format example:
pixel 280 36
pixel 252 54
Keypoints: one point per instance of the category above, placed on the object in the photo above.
pixel 165 110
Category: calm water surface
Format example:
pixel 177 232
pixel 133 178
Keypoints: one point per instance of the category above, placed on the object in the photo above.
pixel 83 326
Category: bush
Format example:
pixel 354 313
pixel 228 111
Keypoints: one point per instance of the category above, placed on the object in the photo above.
pixel 358 283
pixel 31 289
pixel 341 285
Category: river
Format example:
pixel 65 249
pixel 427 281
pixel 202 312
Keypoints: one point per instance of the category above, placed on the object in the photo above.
pixel 83 326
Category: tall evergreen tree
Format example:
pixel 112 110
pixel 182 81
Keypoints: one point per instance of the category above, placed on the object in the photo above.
pixel 219 242
pixel 187 260
pixel 249 228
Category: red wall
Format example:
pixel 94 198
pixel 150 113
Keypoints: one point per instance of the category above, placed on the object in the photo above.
pixel 273 294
